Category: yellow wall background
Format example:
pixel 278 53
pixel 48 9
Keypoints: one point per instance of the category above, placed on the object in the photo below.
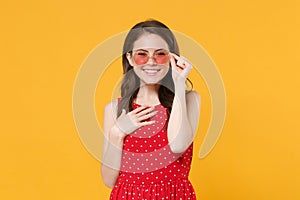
pixel 255 45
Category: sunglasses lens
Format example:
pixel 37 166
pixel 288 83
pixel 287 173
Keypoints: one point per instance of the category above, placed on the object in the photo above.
pixel 140 58
pixel 161 57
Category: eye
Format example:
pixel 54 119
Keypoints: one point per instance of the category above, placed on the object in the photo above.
pixel 141 53
pixel 161 53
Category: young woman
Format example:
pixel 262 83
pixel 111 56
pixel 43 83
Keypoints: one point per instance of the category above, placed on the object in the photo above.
pixel 149 130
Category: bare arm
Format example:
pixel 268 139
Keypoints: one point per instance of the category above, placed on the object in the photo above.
pixel 183 121
pixel 112 147
pixel 185 113
pixel 114 134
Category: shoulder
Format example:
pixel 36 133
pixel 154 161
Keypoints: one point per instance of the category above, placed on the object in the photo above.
pixel 193 97
pixel 111 108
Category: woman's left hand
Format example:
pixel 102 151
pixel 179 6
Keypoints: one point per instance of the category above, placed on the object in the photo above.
pixel 180 69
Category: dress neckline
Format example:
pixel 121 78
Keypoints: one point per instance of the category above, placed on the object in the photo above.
pixel 147 105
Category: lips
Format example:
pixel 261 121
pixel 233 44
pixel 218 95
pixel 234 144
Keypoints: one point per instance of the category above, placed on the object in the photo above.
pixel 151 71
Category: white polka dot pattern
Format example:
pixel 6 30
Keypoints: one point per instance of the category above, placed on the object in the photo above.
pixel 149 169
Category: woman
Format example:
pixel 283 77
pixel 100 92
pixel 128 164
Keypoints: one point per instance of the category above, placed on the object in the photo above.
pixel 149 131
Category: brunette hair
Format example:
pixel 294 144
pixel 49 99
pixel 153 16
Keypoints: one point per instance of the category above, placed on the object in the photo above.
pixel 131 83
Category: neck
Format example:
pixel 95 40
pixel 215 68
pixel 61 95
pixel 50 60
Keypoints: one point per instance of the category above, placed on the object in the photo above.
pixel 148 93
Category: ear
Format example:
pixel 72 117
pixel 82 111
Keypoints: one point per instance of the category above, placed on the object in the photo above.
pixel 129 58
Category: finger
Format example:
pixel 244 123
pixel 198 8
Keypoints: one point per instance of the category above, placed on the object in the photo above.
pixel 147 123
pixel 173 64
pixel 138 109
pixel 180 63
pixel 183 58
pixel 186 62
pixel 123 112
pixel 183 62
pixel 173 54
pixel 144 117
pixel 143 112
pixel 188 67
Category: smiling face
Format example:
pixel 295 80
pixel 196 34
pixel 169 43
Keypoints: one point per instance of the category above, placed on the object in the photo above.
pixel 149 58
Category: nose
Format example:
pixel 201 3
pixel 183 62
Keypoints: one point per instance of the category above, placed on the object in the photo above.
pixel 151 60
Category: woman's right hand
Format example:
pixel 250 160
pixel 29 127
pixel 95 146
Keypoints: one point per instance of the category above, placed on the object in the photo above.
pixel 129 122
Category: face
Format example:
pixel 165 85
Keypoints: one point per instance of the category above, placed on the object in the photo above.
pixel 149 58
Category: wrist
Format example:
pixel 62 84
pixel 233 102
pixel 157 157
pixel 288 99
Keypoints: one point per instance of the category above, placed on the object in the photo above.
pixel 116 133
pixel 179 86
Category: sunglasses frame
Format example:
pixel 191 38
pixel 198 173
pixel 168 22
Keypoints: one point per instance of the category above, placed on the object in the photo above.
pixel 134 51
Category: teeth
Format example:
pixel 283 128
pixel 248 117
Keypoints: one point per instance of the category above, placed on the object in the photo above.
pixel 150 70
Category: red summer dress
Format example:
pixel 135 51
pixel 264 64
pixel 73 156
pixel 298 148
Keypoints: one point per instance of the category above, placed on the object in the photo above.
pixel 149 169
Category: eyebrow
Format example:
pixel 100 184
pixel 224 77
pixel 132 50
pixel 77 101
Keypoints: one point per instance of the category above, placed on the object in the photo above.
pixel 147 50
